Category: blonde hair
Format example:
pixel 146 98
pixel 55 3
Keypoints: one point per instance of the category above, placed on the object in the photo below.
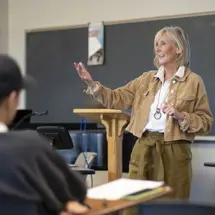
pixel 181 41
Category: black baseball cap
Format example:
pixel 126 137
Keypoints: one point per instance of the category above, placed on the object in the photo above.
pixel 11 78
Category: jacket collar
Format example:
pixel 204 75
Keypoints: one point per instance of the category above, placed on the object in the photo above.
pixel 180 75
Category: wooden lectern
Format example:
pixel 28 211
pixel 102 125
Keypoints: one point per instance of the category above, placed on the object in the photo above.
pixel 114 121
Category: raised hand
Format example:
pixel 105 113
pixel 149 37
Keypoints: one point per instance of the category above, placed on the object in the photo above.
pixel 83 73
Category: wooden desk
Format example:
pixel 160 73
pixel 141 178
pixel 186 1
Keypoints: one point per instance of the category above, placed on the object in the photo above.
pixel 114 122
pixel 100 207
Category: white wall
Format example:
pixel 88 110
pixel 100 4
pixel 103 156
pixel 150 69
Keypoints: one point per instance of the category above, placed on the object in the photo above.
pixel 31 14
pixel 3 26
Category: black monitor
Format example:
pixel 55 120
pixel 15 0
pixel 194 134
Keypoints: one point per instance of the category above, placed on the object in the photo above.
pixel 58 136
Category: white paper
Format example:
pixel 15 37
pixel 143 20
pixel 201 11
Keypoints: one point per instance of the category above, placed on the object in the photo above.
pixel 120 188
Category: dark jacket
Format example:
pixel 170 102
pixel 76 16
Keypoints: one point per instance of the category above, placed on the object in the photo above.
pixel 31 171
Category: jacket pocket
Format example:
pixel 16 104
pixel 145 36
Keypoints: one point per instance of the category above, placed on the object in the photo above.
pixel 188 98
pixel 186 102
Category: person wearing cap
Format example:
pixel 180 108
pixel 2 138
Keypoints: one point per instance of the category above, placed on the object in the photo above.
pixel 34 179
pixel 169 107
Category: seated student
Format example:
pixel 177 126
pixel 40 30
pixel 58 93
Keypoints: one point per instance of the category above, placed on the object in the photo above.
pixel 32 174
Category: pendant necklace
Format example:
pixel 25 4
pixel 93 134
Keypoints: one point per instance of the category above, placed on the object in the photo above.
pixel 158 114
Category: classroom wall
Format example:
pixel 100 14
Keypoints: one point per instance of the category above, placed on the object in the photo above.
pixel 31 14
pixel 3 26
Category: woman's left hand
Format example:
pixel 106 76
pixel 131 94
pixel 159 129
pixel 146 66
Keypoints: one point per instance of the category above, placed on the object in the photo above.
pixel 171 111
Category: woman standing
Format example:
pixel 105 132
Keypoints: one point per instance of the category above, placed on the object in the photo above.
pixel 169 107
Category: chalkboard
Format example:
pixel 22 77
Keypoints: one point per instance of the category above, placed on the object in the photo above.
pixel 128 53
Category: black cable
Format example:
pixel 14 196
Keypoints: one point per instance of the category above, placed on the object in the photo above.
pixel 27 116
pixel 85 158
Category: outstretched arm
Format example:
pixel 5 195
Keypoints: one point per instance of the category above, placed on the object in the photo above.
pixel 120 98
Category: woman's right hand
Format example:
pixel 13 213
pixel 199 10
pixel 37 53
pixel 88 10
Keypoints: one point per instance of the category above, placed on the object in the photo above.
pixel 83 73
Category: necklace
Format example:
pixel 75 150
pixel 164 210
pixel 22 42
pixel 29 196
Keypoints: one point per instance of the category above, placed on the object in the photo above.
pixel 158 114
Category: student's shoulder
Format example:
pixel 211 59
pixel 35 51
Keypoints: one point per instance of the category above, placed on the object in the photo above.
pixel 29 139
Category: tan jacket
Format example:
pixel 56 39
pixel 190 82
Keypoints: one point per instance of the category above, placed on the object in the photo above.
pixel 187 95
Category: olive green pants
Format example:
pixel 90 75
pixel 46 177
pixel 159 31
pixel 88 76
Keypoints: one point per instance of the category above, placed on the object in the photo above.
pixel 154 159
